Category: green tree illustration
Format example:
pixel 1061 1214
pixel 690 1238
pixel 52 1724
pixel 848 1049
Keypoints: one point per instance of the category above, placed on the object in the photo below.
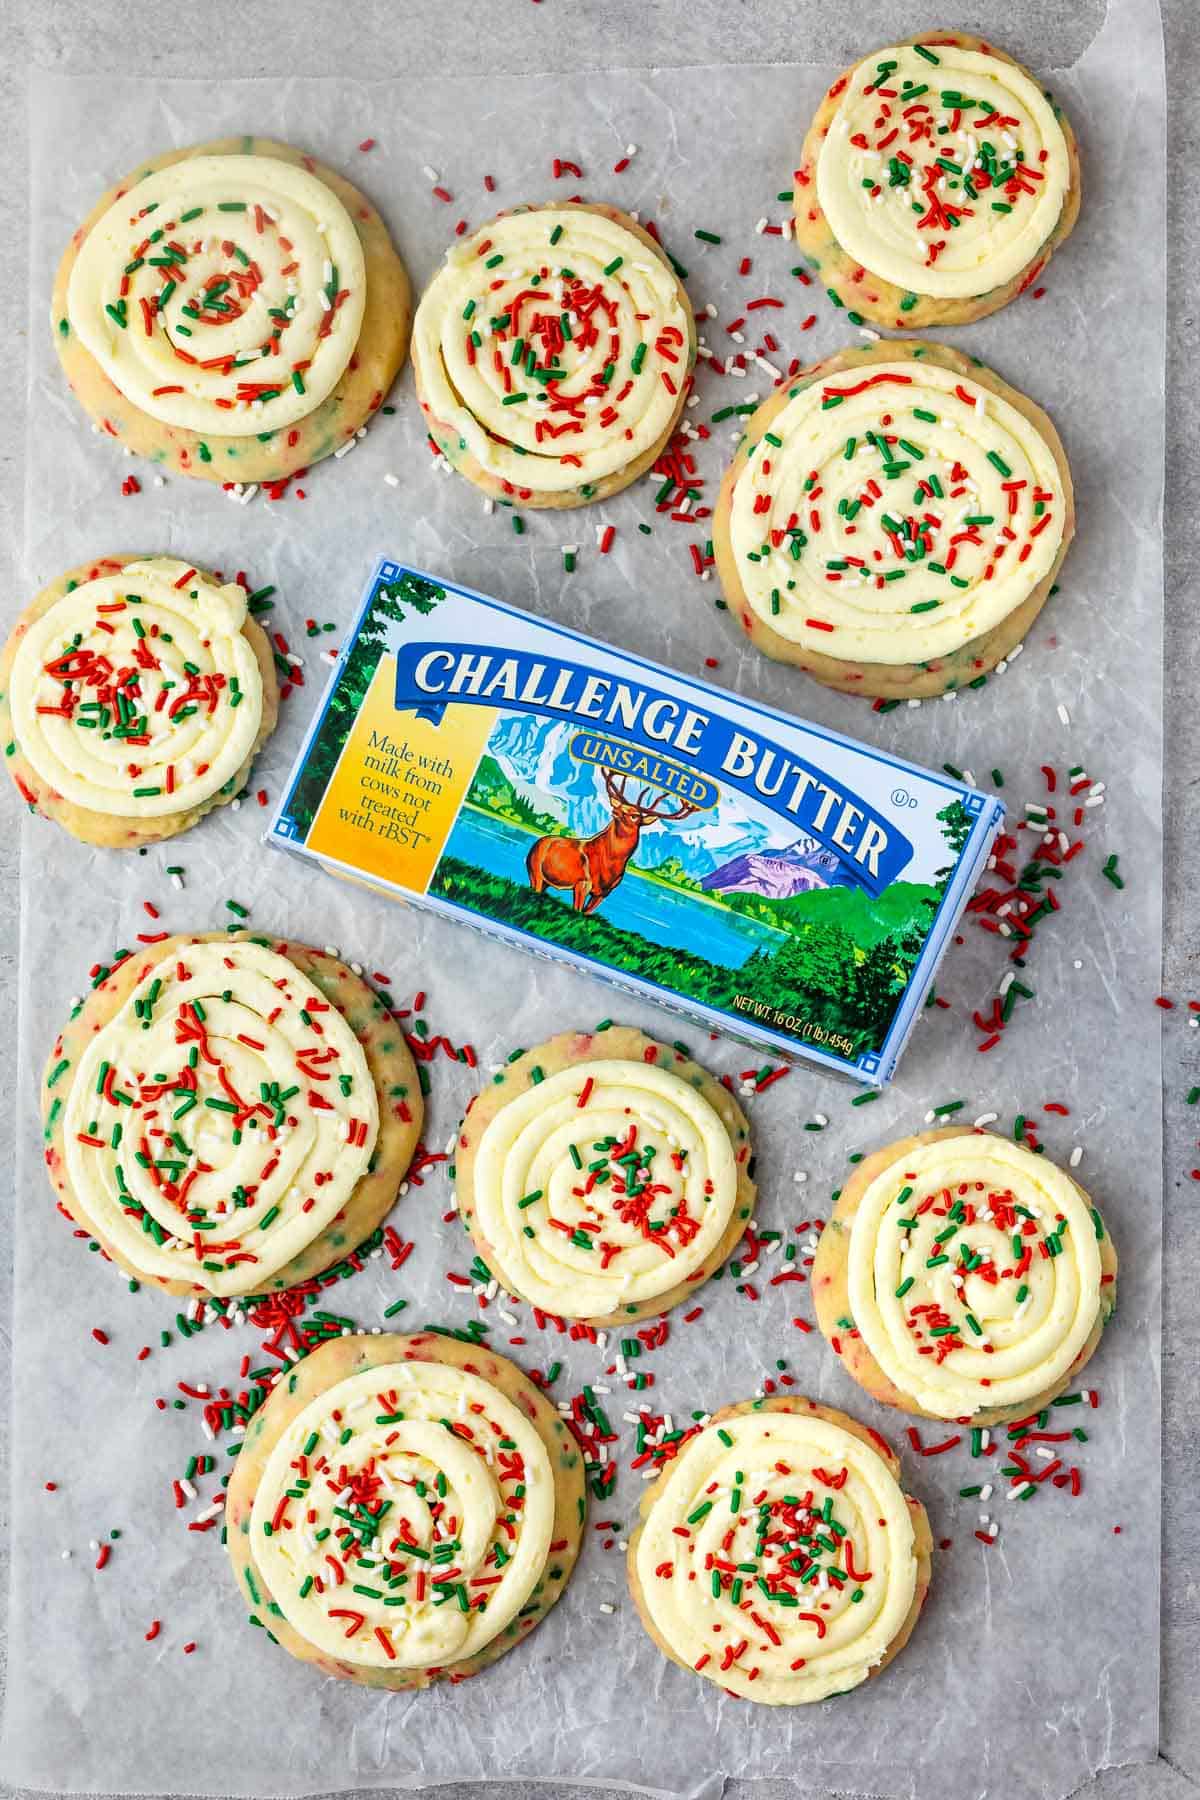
pixel 391 605
pixel 957 825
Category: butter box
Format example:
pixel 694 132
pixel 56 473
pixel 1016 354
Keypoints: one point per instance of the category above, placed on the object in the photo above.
pixel 764 877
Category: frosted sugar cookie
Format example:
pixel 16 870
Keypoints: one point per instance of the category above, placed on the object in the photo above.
pixel 229 1114
pixel 404 1509
pixel 893 520
pixel 234 311
pixel 135 693
pixel 553 353
pixel 778 1556
pixel 935 182
pixel 962 1277
pixel 603 1176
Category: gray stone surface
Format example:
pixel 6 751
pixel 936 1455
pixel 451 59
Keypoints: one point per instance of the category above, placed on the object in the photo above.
pixel 574 35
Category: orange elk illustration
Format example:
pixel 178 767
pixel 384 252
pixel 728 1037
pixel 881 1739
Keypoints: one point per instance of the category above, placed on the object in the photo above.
pixel 592 867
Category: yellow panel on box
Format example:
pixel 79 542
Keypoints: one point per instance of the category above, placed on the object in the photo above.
pixel 399 784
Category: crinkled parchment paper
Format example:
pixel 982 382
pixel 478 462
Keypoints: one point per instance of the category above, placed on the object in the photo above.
pixel 1036 1661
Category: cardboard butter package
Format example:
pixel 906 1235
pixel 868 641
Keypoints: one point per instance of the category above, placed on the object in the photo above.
pixel 766 878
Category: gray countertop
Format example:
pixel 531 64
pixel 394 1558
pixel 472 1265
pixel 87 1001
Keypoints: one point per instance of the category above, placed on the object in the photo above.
pixel 220 41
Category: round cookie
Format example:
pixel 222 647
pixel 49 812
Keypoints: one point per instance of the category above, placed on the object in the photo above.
pixel 581 290
pixel 440 1444
pixel 935 182
pixel 234 310
pixel 807 1502
pixel 229 1114
pixel 893 520
pixel 604 1176
pixel 1008 1313
pixel 135 693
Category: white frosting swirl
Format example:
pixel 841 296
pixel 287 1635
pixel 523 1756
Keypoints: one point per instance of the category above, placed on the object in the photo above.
pixel 893 512
pixel 556 344
pixel 221 1119
pixel 138 694
pixel 944 169
pixel 605 1185
pixel 223 294
pixel 778 1557
pixel 405 1516
pixel 974 1273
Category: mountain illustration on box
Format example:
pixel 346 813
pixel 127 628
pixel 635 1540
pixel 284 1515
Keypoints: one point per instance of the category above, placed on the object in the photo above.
pixel 778 874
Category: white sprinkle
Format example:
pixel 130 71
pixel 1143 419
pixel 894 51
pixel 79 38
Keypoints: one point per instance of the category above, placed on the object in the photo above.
pixel 988 1118
pixel 430 174
pixel 1076 1156
pixel 1022 1488
pixel 1063 714
pixel 607 1607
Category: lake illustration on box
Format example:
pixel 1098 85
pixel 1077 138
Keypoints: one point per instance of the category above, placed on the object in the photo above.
pixel 582 841
pixel 642 903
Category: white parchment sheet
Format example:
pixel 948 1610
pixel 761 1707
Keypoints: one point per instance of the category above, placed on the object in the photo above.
pixel 1036 1659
